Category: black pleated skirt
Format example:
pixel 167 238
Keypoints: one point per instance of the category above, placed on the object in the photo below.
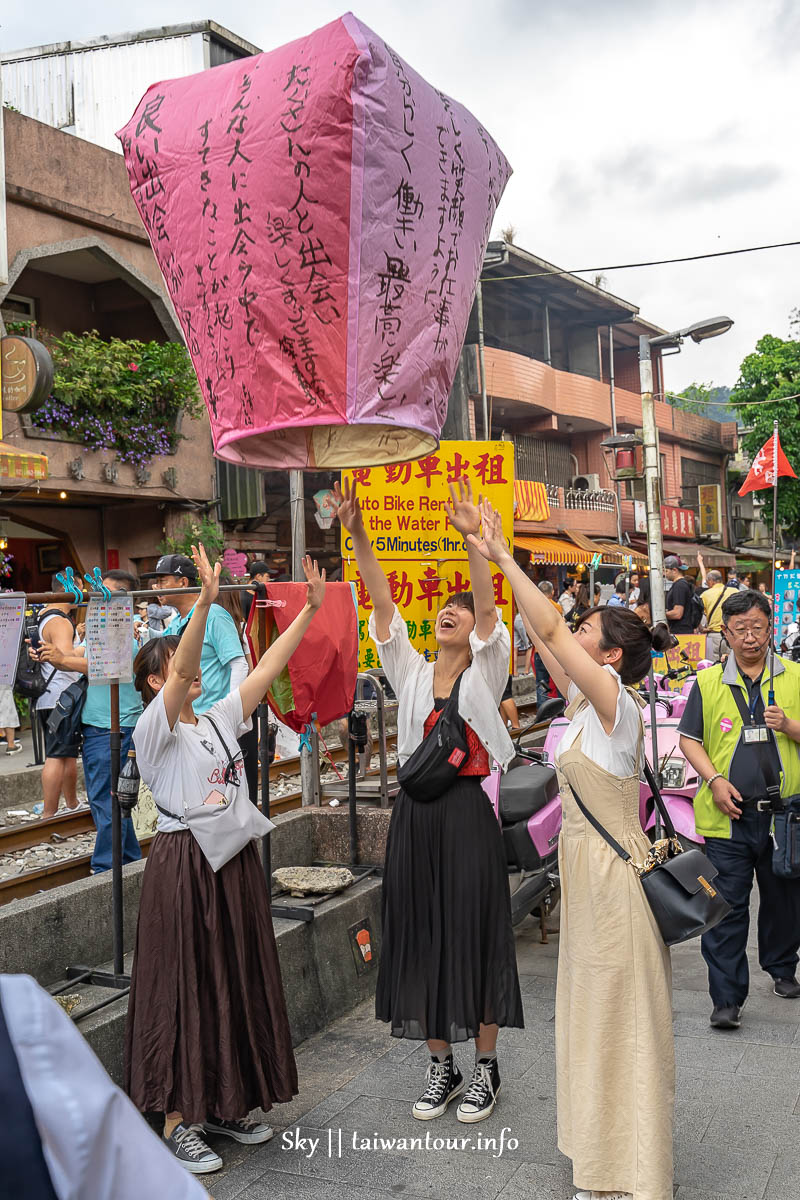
pixel 448 960
pixel 207 1032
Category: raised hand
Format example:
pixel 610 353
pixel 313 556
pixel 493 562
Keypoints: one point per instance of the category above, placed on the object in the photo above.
pixel 492 545
pixel 208 575
pixel 348 508
pixel 315 581
pixel 462 511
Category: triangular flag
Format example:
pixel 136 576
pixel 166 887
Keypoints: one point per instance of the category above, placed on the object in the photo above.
pixel 768 465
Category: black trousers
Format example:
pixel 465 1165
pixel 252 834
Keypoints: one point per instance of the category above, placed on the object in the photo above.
pixel 748 853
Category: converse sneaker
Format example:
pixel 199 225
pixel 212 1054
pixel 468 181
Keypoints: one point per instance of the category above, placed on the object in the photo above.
pixel 190 1150
pixel 481 1095
pixel 444 1082
pixel 247 1131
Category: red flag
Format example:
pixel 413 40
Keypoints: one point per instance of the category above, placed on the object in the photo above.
pixel 768 465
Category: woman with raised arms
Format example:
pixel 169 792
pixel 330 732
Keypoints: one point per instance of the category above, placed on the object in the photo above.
pixel 448 968
pixel 615 1058
pixel 207 1037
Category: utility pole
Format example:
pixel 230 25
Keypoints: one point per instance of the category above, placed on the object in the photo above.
pixel 652 497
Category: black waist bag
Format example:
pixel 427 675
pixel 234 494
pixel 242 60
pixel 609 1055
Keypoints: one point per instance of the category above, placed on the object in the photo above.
pixel 432 768
pixel 786 836
pixel 677 883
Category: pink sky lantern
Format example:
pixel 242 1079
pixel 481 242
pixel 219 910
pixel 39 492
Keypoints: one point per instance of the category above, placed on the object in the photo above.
pixel 320 215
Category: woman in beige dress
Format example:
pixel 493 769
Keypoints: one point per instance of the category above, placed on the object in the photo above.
pixel 615 1057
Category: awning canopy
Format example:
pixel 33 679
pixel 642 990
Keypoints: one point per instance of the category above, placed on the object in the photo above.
pixel 713 556
pixel 16 465
pixel 611 551
pixel 569 551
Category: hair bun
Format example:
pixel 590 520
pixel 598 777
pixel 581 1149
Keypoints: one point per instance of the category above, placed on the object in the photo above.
pixel 661 637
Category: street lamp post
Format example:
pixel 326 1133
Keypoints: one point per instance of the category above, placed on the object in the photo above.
pixel 698 332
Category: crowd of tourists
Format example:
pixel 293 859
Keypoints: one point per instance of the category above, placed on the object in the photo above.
pixel 208 1043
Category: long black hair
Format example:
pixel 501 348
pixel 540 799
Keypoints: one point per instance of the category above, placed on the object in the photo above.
pixel 621 628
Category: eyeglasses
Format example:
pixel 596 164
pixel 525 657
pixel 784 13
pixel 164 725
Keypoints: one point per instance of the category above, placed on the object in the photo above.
pixel 743 632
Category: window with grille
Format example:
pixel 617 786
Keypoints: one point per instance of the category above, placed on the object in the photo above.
pixel 542 462
pixel 694 472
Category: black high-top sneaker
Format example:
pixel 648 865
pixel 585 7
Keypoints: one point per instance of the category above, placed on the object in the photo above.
pixel 444 1082
pixel 481 1095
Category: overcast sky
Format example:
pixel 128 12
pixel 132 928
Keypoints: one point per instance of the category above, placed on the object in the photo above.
pixel 636 131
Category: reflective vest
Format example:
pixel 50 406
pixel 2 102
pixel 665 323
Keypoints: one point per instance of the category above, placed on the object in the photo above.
pixel 722 727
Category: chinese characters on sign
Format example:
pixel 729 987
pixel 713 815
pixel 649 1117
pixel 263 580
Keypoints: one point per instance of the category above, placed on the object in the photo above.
pixel 109 638
pixel 424 558
pixel 693 646
pixel 786 603
pixel 319 214
pixel 12 619
pixel 709 501
pixel 677 522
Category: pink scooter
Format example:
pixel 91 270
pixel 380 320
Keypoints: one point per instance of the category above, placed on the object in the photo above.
pixel 527 804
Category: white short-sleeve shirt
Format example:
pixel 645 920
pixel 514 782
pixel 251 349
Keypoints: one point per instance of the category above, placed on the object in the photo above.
pixel 616 752
pixel 481 689
pixel 182 766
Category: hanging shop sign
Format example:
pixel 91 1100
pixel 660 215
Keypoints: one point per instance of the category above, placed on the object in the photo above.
pixel 27 374
pixel 709 503
pixel 678 522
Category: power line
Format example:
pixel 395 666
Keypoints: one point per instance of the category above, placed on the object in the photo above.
pixel 656 262
pixel 730 403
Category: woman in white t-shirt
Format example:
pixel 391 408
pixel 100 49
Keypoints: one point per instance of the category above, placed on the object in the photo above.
pixel 448 969
pixel 614 1044
pixel 207 1037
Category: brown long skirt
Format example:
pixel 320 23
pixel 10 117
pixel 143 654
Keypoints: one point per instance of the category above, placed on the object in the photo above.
pixel 207 1033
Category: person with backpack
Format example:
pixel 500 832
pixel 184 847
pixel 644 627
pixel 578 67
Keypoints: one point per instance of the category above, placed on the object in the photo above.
pixel 54 627
pixel 95 735
pixel 684 610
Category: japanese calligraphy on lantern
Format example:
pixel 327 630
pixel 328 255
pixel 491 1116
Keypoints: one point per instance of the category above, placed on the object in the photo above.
pixel 319 214
pixel 424 558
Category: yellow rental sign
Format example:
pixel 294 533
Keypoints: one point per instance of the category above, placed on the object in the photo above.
pixel 424 558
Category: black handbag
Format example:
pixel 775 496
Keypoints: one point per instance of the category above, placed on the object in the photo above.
pixel 678 884
pixel 432 768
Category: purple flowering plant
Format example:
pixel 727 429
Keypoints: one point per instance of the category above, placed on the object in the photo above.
pixel 119 395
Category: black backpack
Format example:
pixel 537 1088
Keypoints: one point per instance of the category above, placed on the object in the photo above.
pixel 32 678
pixel 696 611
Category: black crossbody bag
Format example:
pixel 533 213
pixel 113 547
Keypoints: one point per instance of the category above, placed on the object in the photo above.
pixel 432 768
pixel 785 812
pixel 677 883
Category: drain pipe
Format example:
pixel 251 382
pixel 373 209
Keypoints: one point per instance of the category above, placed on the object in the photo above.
pixel 613 398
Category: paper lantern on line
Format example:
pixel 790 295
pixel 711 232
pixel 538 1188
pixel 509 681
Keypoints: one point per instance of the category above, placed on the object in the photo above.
pixel 320 215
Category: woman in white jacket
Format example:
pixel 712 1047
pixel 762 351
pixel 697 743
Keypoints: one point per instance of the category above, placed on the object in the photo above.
pixel 448 967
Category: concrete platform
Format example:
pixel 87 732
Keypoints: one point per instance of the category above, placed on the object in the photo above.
pixel 737 1133
pixel 323 971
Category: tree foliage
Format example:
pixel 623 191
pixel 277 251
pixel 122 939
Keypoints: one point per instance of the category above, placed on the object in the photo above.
pixel 772 373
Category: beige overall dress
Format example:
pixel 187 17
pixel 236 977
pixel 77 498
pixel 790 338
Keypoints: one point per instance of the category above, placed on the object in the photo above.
pixel 615 1056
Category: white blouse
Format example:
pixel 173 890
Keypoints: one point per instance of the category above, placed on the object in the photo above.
pixel 615 752
pixel 482 687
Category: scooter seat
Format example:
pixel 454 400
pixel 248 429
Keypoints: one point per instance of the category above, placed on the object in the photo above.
pixel 526 790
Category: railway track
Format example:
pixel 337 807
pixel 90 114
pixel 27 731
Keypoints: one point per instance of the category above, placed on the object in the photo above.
pixel 72 824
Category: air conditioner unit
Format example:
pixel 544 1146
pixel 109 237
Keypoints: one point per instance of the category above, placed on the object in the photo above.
pixel 586 483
